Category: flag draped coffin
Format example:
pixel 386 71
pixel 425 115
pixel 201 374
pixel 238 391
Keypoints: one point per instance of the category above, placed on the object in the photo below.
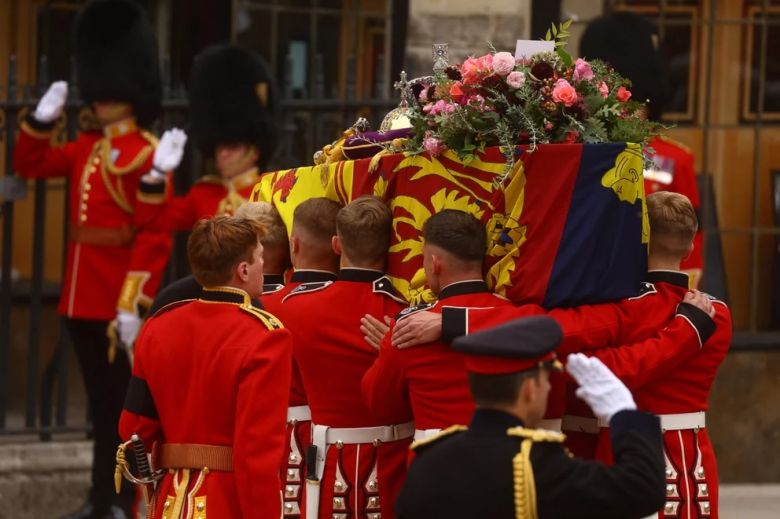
pixel 567 224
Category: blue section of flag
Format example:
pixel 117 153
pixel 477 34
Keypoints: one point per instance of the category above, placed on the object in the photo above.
pixel 601 256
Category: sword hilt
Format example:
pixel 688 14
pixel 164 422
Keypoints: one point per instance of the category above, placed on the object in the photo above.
pixel 141 461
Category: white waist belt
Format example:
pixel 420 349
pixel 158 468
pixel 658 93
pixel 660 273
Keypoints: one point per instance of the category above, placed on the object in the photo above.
pixel 298 413
pixel 552 424
pixel 669 422
pixel 381 434
pixel 682 421
pixel 421 434
pixel 322 436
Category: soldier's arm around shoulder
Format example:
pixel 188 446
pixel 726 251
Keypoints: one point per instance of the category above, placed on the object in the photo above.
pixel 633 487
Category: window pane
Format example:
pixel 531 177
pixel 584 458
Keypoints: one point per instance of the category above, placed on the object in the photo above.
pixel 771 71
pixel 293 54
pixel 329 57
pixel 254 31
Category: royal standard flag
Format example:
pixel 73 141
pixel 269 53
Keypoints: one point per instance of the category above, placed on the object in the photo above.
pixel 566 225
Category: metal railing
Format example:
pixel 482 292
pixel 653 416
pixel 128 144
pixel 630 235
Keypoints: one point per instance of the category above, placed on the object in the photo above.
pixel 308 124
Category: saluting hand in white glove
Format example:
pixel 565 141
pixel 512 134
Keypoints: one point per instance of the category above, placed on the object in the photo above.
pixel 168 154
pixel 599 387
pixel 51 104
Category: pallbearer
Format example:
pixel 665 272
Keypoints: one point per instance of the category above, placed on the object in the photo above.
pixel 209 389
pixel 503 467
pixel 357 460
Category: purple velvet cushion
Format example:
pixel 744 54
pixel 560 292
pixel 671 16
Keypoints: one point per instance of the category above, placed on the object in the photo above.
pixel 368 144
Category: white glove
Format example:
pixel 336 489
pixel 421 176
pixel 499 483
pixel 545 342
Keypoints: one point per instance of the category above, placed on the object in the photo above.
pixel 51 104
pixel 599 387
pixel 168 154
pixel 127 326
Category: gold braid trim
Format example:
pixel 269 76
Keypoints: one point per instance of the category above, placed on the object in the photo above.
pixel 180 487
pixel 449 431
pixel 525 486
pixel 536 435
pixel 133 165
pixel 150 138
pixel 268 319
pixel 37 134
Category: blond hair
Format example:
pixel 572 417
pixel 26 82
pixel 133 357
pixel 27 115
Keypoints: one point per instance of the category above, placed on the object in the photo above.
pixel 673 223
pixel 269 217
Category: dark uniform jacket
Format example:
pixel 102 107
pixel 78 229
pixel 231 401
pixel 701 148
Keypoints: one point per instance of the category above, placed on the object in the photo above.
pixel 498 469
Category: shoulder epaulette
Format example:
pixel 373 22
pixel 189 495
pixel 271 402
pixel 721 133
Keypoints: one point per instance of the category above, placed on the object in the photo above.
pixel 536 435
pixel 169 306
pixel 384 286
pixel 305 288
pixel 270 288
pixel 646 289
pixel 268 319
pixel 406 312
pixel 677 143
pixel 449 432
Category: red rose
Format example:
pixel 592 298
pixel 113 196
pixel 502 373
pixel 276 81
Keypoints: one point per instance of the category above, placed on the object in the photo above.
pixel 623 94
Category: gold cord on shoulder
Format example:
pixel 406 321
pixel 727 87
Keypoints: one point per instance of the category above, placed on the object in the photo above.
pixel 524 484
pixel 449 431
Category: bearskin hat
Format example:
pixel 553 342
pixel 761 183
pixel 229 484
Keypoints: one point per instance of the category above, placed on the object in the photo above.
pixel 629 43
pixel 232 100
pixel 116 57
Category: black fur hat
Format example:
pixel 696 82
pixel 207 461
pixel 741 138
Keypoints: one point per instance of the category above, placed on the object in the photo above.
pixel 232 100
pixel 116 57
pixel 630 44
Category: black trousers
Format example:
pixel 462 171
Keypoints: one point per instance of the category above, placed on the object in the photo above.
pixel 106 385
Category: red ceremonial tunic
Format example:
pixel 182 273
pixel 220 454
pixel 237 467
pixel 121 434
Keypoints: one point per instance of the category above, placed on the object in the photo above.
pixel 213 371
pixel 357 479
pixel 679 387
pixel 116 251
pixel 673 170
pixel 298 437
pixel 210 196
pixel 431 380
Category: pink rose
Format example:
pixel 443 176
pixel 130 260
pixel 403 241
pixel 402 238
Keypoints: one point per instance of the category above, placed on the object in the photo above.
pixel 456 92
pixel 564 93
pixel 582 70
pixel 434 146
pixel 428 108
pixel 623 94
pixel 503 63
pixel 423 97
pixel 515 79
pixel 603 90
pixel 439 107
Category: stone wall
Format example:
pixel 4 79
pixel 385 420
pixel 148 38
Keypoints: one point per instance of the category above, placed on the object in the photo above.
pixel 744 418
pixel 467 27
pixel 43 479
